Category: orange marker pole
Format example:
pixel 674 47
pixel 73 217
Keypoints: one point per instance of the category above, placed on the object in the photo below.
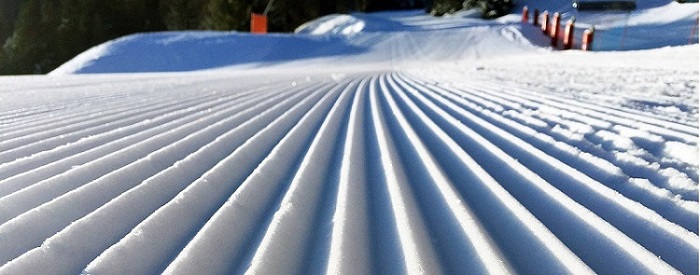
pixel 569 34
pixel 526 14
pixel 258 23
pixel 545 22
pixel 554 30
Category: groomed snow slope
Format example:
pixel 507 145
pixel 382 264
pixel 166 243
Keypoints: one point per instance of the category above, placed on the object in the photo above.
pixel 433 145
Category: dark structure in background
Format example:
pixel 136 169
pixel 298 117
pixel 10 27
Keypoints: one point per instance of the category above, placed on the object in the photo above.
pixel 590 5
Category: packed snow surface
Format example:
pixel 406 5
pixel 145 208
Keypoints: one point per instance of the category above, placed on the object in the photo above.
pixel 366 143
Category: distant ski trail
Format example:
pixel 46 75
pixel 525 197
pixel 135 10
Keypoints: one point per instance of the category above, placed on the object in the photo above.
pixel 374 172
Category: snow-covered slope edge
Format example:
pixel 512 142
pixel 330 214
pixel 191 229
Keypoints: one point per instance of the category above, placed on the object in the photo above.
pixel 190 51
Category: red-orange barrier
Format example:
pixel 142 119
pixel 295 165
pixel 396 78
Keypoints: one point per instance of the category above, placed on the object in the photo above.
pixel 258 23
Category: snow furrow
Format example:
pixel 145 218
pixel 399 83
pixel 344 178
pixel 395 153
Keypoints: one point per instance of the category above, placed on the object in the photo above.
pixel 624 110
pixel 74 159
pixel 350 238
pixel 43 191
pixel 148 195
pixel 60 126
pixel 644 226
pixel 151 248
pixel 60 108
pixel 665 203
pixel 262 186
pixel 145 122
pixel 95 88
pixel 664 128
pixel 586 130
pixel 637 91
pixel 298 210
pixel 552 254
pixel 562 222
pixel 218 102
pixel 64 103
pixel 79 105
pixel 23 118
pixel 54 169
pixel 562 117
pixel 433 177
pixel 418 253
pixel 115 122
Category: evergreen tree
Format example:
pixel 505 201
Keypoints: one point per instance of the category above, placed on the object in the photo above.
pixel 9 11
pixel 72 33
pixel 228 15
pixel 183 14
pixel 360 5
pixel 153 20
pixel 441 7
pixel 23 52
pixel 120 17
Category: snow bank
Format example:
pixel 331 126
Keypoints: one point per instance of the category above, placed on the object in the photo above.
pixel 190 51
pixel 332 24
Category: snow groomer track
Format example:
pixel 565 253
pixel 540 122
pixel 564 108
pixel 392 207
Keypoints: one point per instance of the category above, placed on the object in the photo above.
pixel 383 172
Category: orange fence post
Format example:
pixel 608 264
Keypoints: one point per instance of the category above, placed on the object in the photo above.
pixel 587 41
pixel 525 14
pixel 535 17
pixel 258 23
pixel 554 30
pixel 569 34
pixel 545 22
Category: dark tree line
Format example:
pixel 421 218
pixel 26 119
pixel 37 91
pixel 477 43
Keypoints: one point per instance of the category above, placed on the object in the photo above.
pixel 489 8
pixel 39 35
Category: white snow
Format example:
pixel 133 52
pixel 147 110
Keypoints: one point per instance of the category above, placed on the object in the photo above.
pixel 683 152
pixel 390 142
